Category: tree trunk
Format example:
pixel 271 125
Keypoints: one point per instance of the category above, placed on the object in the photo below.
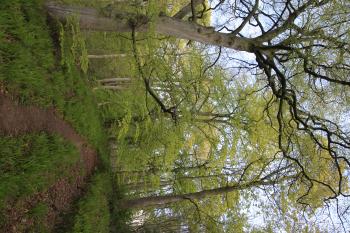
pixel 113 88
pixel 114 80
pixel 113 84
pixel 103 56
pixel 90 19
pixel 168 199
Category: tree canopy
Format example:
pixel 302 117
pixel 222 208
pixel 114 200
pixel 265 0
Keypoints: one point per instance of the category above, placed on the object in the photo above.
pixel 247 103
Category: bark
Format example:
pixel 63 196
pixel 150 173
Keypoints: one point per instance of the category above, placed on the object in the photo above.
pixel 113 156
pixel 135 186
pixel 103 56
pixel 144 186
pixel 114 80
pixel 114 83
pixel 90 19
pixel 137 3
pixel 113 88
pixel 168 199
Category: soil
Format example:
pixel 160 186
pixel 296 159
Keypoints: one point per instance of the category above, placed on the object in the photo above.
pixel 16 119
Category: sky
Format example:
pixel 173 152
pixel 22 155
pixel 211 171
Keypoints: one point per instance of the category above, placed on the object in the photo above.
pixel 328 217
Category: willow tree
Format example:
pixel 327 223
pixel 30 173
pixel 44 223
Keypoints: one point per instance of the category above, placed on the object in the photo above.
pixel 301 57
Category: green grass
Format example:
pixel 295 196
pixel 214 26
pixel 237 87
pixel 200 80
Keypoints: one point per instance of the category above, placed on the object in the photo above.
pixel 94 209
pixel 38 214
pixel 42 63
pixel 31 163
pixel 98 210
pixel 120 217
pixel 35 69
pixel 31 68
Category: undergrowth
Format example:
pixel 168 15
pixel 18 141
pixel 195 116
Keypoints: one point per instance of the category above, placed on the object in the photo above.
pixel 93 209
pixel 39 72
pixel 31 163
pixel 43 63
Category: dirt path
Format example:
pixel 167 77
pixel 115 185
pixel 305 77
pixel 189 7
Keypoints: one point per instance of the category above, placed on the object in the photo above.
pixel 16 120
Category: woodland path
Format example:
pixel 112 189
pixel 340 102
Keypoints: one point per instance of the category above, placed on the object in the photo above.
pixel 16 119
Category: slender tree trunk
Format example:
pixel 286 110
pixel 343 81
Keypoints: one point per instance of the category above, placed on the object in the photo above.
pixel 168 199
pixel 113 88
pixel 171 26
pixel 104 56
pixel 114 80
pixel 114 84
pixel 163 183
pixel 137 3
pixel 141 186
pixel 113 155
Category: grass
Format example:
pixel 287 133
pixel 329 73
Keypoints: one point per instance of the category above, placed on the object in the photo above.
pixel 44 63
pixel 37 71
pixel 31 163
pixel 93 210
pixel 31 68
pixel 119 217
pixel 38 214
pixel 98 210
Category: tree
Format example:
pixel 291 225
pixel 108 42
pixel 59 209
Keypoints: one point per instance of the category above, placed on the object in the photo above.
pixel 163 200
pixel 301 70
pixel 103 56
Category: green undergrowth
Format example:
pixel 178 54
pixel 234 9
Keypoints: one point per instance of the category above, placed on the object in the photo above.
pixel 120 218
pixel 93 213
pixel 31 163
pixel 38 64
pixel 98 211
pixel 38 214
pixel 44 63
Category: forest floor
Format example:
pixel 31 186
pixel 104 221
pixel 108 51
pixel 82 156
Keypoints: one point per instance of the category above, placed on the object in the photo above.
pixel 15 120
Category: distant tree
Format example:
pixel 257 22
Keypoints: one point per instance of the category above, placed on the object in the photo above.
pixel 168 199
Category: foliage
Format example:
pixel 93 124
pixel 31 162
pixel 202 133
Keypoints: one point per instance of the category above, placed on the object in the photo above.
pixel 93 209
pixel 272 128
pixel 42 81
pixel 38 65
pixel 31 163
pixel 78 49
pixel 38 214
